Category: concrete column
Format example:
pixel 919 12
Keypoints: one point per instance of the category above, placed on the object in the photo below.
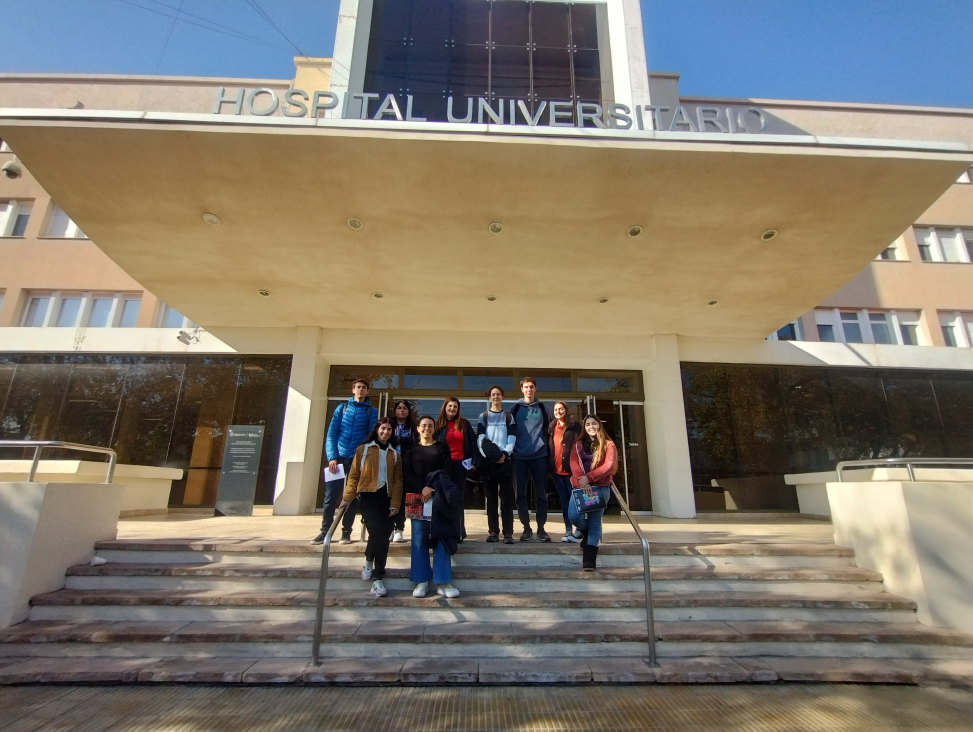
pixel 303 435
pixel 665 423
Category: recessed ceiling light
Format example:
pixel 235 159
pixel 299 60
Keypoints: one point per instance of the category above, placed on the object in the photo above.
pixel 768 235
pixel 634 231
pixel 263 293
pixel 211 219
pixel 602 300
pixel 377 295
pixel 713 302
pixel 491 298
pixel 356 223
pixel 496 227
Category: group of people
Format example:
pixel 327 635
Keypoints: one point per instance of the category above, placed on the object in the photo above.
pixel 373 462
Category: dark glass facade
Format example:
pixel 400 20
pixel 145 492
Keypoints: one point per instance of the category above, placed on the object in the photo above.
pixel 163 411
pixel 750 425
pixel 496 49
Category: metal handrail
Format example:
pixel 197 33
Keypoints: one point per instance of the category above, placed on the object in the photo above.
pixel 908 462
pixel 39 445
pixel 646 565
pixel 322 586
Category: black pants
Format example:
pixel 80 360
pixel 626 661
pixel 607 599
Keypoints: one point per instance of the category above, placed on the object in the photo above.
pixel 333 491
pixel 498 483
pixel 375 512
pixel 537 469
pixel 398 520
pixel 457 473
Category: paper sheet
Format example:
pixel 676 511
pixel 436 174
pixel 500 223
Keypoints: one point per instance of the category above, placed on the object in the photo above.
pixel 339 474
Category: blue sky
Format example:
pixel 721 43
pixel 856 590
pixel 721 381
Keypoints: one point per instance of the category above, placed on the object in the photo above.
pixel 892 51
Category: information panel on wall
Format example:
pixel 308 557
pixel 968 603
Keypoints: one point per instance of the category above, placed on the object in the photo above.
pixel 238 477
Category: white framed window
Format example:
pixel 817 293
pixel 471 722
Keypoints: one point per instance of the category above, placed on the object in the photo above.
pixel 825 320
pixel 957 329
pixel 169 317
pixel 790 332
pixel 884 327
pixel 60 226
pixel 894 252
pixel 14 216
pixel 945 245
pixel 80 310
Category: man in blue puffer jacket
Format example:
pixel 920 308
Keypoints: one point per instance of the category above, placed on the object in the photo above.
pixel 350 424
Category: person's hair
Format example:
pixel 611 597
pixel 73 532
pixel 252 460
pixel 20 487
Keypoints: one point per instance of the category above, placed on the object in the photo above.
pixel 495 386
pixel 373 435
pixel 443 420
pixel 361 381
pixel 567 410
pixel 531 379
pixel 599 443
pixel 429 417
pixel 410 419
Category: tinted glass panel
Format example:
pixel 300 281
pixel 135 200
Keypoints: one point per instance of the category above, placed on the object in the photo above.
pixel 430 21
pixel 550 25
pixel 431 379
pixel 510 24
pixel 482 380
pixel 67 315
pixel 470 22
pixel 584 26
pixel 130 313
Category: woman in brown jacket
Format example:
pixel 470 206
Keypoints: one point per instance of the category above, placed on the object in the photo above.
pixel 375 477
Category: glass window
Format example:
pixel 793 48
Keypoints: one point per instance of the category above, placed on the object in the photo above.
pixel 481 380
pixel 59 224
pixel 968 243
pixel 788 333
pixel 881 333
pixel 431 379
pixel 172 318
pixel 826 333
pixel 130 313
pixel 851 328
pixel 620 384
pixel 100 311
pixel 953 246
pixel 23 216
pixel 36 311
pixel 949 335
pixel 67 315
pixel 342 378
pixel 551 381
pixel 968 321
pixel 910 334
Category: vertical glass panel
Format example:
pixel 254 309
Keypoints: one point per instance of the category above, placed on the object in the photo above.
pixel 428 71
pixel 57 227
pixel 91 405
pixel 584 25
pixel 483 379
pixel 910 334
pixel 968 243
pixel 709 427
pixel 621 384
pixel 881 333
pixel 550 381
pixel 552 74
pixel 100 310
pixel 914 415
pixel 172 318
pixel 636 458
pixel 20 223
pixel 787 333
pixel 511 73
pixel 826 333
pixel 861 413
pixel 343 378
pixel 130 313
pixel 954 397
pixel 34 401
pixel 510 24
pixel 549 25
pixel 468 71
pixel 36 312
pixel 148 408
pixel 810 421
pixel 851 328
pixel 949 335
pixel 390 19
pixel 470 22
pixel 67 316
pixel 430 21
pixel 953 245
pixel 424 378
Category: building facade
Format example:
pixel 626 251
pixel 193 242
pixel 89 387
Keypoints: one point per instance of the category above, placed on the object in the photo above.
pixel 469 192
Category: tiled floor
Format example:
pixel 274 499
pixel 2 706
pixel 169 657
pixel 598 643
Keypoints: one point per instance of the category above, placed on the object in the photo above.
pixel 783 708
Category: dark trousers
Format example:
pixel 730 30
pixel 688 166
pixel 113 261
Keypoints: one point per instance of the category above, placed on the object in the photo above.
pixel 333 490
pixel 375 512
pixel 537 468
pixel 398 520
pixel 499 486
pixel 457 473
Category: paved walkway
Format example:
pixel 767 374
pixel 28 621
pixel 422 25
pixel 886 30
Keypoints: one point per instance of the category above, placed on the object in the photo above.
pixel 783 708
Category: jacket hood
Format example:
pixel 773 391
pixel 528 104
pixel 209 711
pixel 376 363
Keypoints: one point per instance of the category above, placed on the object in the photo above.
pixel 524 402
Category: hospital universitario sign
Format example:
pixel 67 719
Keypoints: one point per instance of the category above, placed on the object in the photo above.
pixel 265 102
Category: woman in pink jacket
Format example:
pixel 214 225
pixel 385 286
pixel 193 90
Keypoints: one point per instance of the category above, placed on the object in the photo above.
pixel 594 460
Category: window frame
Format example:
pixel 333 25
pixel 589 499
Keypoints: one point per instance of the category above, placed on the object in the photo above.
pixel 82 319
pixel 9 218
pixel 931 237
pixel 73 231
pixel 895 320
pixel 961 322
pixel 161 318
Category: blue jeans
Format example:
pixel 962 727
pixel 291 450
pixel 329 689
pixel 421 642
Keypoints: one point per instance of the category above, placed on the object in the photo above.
pixel 590 522
pixel 563 485
pixel 441 571
pixel 537 467
pixel 333 491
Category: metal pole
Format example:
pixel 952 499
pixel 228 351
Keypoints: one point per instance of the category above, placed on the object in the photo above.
pixel 912 475
pixel 112 459
pixel 322 587
pixel 33 466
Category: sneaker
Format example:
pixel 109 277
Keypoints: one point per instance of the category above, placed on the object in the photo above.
pixel 493 539
pixel 447 591
pixel 421 589
pixel 366 570
pixel 578 536
pixel 319 539
pixel 543 535
pixel 566 538
pixel 397 536
pixel 508 539
pixel 345 538
pixel 378 588
pixel 572 536
pixel 527 535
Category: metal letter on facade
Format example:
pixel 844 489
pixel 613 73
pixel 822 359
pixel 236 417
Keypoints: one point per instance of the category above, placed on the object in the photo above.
pixel 274 102
pixel 618 117
pixel 390 107
pixel 364 103
pixel 482 106
pixel 531 121
pixel 761 118
pixel 408 111
pixel 712 115
pixel 461 120
pixel 557 111
pixel 656 117
pixel 221 99
pixel 681 117
pixel 594 115
pixel 291 100
pixel 317 104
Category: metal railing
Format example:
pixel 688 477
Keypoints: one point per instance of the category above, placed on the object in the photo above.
pixel 907 462
pixel 323 585
pixel 39 445
pixel 646 565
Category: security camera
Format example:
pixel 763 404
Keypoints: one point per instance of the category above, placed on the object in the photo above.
pixel 12 170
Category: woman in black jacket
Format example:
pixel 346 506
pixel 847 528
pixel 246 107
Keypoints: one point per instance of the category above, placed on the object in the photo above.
pixel 404 424
pixel 427 457
pixel 561 435
pixel 460 437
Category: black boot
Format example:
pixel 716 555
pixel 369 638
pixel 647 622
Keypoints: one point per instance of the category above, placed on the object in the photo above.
pixel 584 540
pixel 590 558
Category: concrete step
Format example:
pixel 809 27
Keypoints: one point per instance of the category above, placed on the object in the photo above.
pixel 160 605
pixel 472 640
pixel 439 671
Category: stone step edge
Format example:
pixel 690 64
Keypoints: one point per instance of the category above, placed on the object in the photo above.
pixel 527 600
pixel 473 671
pixel 229 546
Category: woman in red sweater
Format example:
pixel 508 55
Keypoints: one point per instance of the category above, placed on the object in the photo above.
pixel 594 460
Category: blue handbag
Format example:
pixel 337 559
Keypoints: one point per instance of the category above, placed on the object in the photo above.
pixel 586 501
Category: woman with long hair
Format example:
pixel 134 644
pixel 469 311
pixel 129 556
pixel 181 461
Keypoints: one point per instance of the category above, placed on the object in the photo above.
pixel 562 433
pixel 594 460
pixel 375 477
pixel 459 436
pixel 404 431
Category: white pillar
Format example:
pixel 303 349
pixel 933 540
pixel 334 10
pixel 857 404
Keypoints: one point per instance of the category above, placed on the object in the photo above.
pixel 665 422
pixel 303 434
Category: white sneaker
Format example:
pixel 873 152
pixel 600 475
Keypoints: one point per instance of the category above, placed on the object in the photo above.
pixel 378 588
pixel 366 570
pixel 569 536
pixel 566 538
pixel 448 591
pixel 397 536
pixel 421 589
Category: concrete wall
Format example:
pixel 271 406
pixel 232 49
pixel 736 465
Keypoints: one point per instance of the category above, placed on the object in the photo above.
pixel 919 536
pixel 44 529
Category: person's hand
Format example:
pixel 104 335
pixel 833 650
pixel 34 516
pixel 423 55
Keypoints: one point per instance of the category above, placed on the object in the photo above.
pixel 427 494
pixel 344 504
pixel 333 465
pixel 503 456
pixel 393 511
pixel 584 482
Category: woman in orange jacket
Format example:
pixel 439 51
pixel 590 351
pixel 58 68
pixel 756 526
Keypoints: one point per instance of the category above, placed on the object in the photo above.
pixel 594 460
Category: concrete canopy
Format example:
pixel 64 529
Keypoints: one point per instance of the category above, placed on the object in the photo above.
pixel 138 185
